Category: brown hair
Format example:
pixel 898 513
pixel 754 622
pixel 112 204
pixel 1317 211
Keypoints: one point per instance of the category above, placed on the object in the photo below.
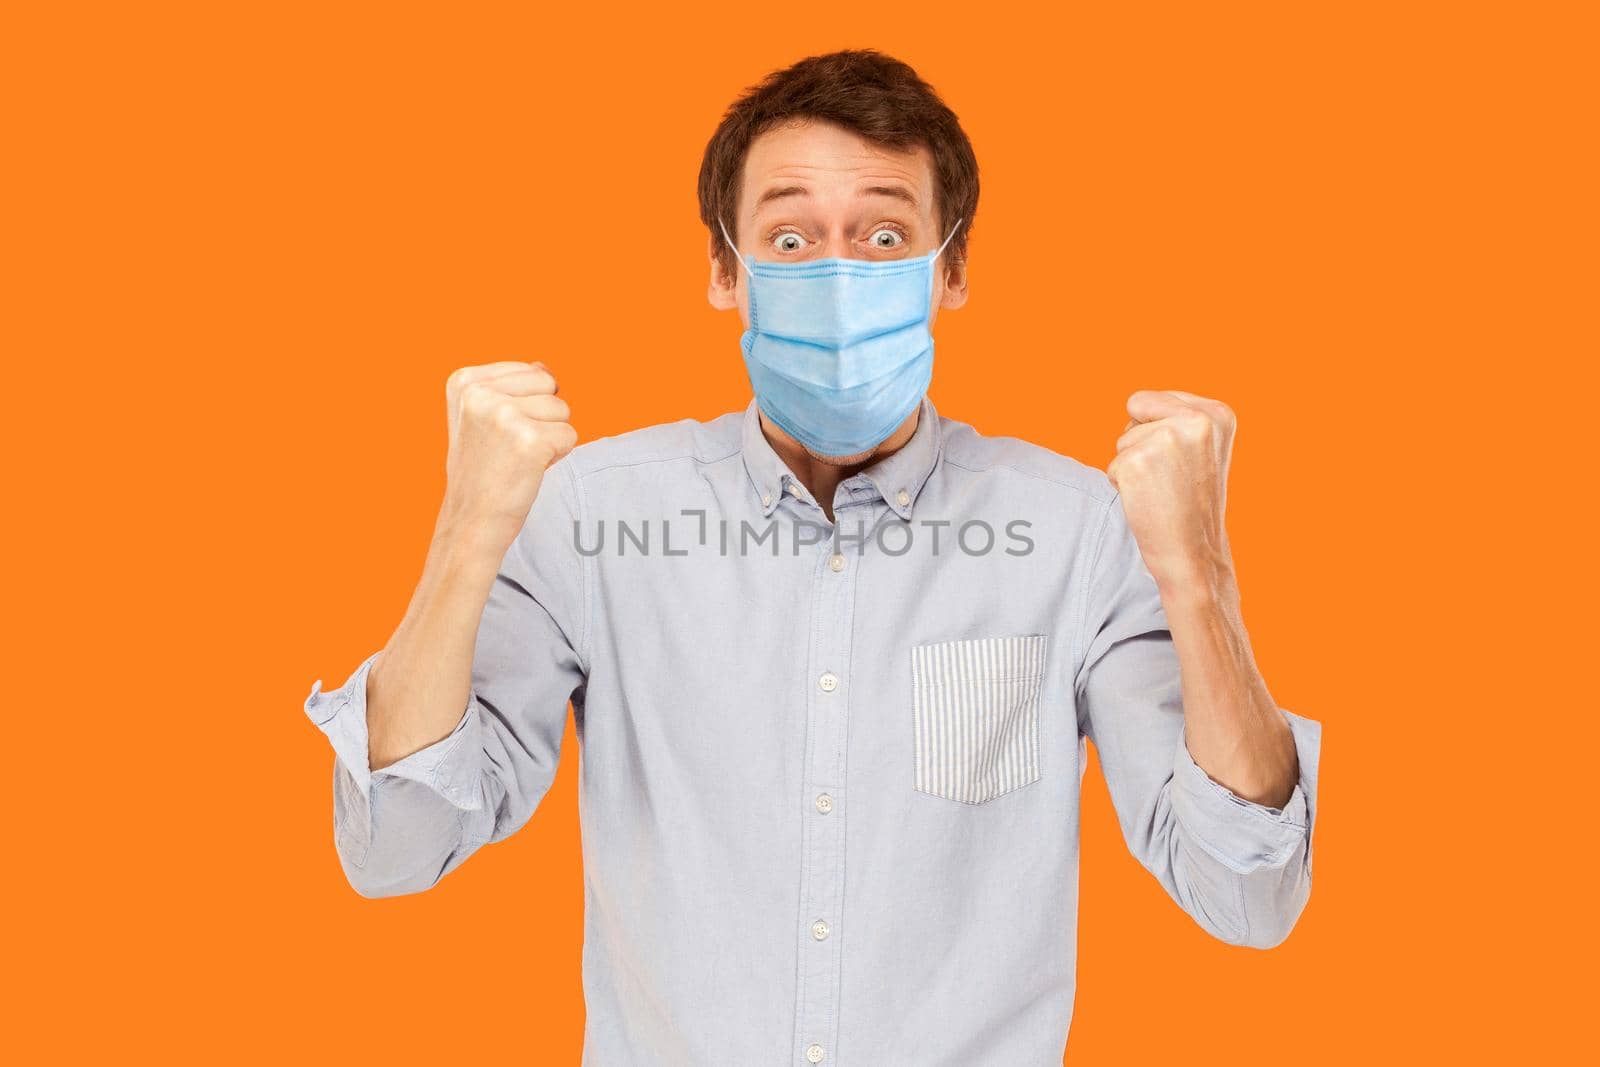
pixel 865 91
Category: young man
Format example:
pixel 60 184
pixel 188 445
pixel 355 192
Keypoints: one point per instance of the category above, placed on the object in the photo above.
pixel 833 659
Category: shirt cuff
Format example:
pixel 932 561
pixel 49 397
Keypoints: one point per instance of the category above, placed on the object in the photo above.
pixel 1241 834
pixel 450 766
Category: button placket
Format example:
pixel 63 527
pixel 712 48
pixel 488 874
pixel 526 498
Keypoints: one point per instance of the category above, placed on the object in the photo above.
pixel 823 825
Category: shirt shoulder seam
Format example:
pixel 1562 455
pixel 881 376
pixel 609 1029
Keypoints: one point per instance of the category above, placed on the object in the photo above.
pixel 1026 474
pixel 585 585
pixel 1082 637
pixel 621 463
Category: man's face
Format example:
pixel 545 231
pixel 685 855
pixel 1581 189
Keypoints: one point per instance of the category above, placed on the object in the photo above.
pixel 817 190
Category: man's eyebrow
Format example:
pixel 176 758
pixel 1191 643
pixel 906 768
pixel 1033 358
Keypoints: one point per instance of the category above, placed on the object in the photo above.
pixel 778 192
pixel 898 191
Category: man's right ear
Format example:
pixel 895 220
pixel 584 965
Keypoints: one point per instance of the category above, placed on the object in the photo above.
pixel 723 290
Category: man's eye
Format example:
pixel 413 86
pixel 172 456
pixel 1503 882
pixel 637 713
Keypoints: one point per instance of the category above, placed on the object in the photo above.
pixel 886 239
pixel 788 242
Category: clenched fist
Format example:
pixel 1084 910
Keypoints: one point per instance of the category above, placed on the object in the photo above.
pixel 506 427
pixel 1171 468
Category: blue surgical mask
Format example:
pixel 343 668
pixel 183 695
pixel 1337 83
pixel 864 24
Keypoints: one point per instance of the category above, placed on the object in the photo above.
pixel 838 350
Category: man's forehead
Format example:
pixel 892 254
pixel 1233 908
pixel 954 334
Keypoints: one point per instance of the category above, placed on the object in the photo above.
pixel 822 158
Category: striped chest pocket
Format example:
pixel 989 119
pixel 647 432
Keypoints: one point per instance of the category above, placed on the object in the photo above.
pixel 975 716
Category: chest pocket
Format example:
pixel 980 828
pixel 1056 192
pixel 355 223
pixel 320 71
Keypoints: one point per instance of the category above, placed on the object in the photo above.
pixel 975 716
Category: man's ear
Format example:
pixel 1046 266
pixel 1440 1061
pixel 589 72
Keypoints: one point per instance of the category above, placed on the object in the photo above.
pixel 722 291
pixel 955 284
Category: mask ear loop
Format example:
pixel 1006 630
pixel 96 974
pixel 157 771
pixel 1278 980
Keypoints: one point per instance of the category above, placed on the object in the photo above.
pixel 735 247
pixel 951 234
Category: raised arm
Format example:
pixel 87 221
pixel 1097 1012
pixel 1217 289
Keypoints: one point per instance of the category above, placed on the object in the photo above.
pixel 448 737
pixel 1214 784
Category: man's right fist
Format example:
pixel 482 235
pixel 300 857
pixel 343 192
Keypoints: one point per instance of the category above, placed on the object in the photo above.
pixel 506 427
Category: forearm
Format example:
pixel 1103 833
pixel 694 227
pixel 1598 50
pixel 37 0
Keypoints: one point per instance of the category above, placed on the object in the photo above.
pixel 421 681
pixel 1232 726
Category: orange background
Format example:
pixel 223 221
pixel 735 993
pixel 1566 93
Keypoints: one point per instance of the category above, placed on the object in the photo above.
pixel 246 244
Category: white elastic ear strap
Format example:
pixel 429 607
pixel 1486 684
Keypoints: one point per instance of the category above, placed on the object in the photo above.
pixel 951 234
pixel 732 245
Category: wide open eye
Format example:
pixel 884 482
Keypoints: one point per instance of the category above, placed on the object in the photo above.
pixel 886 238
pixel 788 241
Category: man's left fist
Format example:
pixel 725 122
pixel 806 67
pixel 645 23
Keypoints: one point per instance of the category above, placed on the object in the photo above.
pixel 1171 469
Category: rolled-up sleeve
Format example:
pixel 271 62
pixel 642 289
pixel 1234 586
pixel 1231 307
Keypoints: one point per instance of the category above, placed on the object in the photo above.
pixel 401 828
pixel 1241 869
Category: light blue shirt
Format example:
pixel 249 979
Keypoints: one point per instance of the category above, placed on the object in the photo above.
pixel 828 789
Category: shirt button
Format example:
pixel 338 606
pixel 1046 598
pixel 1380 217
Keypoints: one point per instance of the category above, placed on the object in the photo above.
pixel 814 1053
pixel 794 488
pixel 903 497
pixel 819 929
pixel 824 803
pixel 828 682
pixel 836 563
pixel 766 500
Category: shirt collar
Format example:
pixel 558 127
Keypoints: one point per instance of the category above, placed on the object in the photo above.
pixel 897 478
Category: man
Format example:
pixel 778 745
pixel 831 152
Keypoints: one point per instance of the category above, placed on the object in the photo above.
pixel 833 659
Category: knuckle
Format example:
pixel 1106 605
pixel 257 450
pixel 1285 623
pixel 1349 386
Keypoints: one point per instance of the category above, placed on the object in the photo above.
pixel 527 438
pixel 505 415
pixel 477 400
